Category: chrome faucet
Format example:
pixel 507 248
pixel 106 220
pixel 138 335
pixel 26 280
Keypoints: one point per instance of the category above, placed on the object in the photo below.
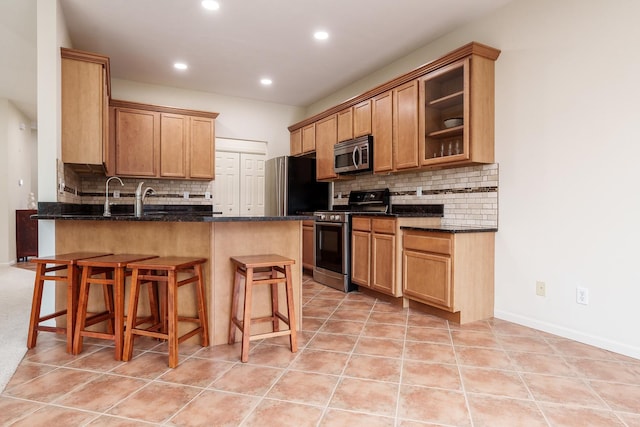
pixel 140 195
pixel 107 207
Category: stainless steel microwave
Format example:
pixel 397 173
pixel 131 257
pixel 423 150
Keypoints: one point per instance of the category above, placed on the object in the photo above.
pixel 354 155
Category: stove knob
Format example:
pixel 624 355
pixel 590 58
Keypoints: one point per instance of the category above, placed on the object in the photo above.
pixel 321 216
pixel 335 217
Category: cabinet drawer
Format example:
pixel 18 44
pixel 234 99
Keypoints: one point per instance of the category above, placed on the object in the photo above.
pixel 307 223
pixel 428 243
pixel 361 224
pixel 386 225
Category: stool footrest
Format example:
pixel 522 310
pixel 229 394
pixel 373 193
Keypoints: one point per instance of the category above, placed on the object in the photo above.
pixel 269 335
pixel 53 315
pixel 51 329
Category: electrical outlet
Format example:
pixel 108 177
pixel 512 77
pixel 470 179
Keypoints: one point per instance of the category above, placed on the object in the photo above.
pixel 582 295
pixel 61 187
pixel 116 194
pixel 419 191
pixel 185 195
pixel 207 195
pixel 541 289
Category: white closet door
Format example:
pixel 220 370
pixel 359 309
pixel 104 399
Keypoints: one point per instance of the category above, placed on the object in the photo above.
pixel 252 184
pixel 226 196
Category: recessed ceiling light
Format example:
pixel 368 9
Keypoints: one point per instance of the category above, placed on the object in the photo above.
pixel 266 81
pixel 321 35
pixel 180 66
pixel 210 4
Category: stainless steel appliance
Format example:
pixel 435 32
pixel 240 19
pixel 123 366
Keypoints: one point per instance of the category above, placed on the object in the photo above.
pixel 291 187
pixel 353 156
pixel 332 251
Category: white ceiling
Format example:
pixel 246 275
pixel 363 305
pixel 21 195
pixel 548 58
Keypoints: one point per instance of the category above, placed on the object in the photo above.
pixel 229 50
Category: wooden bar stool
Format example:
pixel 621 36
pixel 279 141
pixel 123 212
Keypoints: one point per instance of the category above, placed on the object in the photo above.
pixel 262 270
pixel 165 270
pixel 113 272
pixel 56 264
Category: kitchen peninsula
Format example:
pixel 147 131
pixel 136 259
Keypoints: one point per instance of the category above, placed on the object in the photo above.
pixel 211 236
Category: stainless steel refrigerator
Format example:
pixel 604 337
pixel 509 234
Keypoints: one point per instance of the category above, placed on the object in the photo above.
pixel 291 187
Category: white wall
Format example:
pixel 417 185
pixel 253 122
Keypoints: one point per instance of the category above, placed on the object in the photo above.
pixel 239 118
pixel 567 143
pixel 17 151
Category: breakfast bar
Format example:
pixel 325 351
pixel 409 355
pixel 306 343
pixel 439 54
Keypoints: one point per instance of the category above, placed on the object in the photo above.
pixel 209 236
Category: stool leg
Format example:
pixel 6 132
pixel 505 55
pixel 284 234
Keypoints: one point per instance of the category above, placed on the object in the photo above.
pixel 73 288
pixel 152 291
pixel 246 322
pixel 234 306
pixel 291 312
pixel 82 310
pixel 36 306
pixel 127 352
pixel 172 313
pixel 118 291
pixel 107 290
pixel 202 306
pixel 274 301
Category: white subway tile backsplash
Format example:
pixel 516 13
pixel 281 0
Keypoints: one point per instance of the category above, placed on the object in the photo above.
pixel 469 194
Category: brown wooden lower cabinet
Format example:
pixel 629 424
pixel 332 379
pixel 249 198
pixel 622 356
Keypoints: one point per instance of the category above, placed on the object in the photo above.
pixel 26 234
pixel 450 273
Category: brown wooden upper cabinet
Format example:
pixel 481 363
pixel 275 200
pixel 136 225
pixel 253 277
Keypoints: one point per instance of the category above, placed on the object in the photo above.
pixel 408 116
pixel 354 121
pixel 396 128
pixel 459 113
pixel 326 138
pixel 85 86
pixel 162 142
pixel 295 141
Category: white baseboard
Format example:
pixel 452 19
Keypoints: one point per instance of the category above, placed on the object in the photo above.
pixel 551 328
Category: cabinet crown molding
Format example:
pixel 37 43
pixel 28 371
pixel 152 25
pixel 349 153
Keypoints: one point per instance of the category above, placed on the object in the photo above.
pixel 161 108
pixel 472 48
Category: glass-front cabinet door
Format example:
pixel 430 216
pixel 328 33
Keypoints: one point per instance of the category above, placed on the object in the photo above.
pixel 446 114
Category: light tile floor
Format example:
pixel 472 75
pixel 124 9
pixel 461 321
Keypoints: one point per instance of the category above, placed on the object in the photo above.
pixel 361 362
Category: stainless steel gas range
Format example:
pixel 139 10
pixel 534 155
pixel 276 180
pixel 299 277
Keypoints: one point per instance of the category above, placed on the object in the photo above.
pixel 332 250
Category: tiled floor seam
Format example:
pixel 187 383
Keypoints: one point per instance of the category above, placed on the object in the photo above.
pixel 344 368
pixel 460 377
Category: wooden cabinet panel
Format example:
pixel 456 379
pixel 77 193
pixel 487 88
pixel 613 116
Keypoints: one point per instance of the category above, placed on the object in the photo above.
pixel 361 224
pixel 362 118
pixel 202 148
pixel 173 145
pixel 345 124
pixel 137 138
pixel 308 243
pixel 309 138
pixel 26 234
pixel 406 137
pixel 326 138
pixel 360 257
pixel 428 277
pixel 382 128
pixel 84 112
pixel 295 142
pixel 383 266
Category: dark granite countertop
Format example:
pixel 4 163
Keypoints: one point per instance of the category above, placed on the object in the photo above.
pixel 409 211
pixel 452 228
pixel 163 213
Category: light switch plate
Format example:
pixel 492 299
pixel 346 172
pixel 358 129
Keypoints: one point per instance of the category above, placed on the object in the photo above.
pixel 207 195
pixel 185 195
